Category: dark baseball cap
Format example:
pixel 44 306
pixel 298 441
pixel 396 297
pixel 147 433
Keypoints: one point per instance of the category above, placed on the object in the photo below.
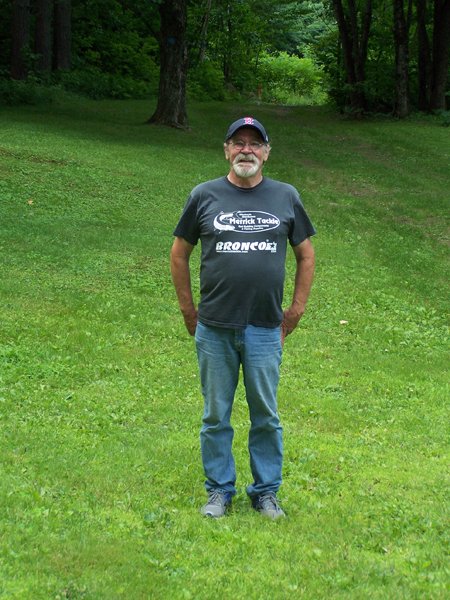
pixel 247 122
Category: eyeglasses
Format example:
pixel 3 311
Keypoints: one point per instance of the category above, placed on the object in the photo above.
pixel 240 145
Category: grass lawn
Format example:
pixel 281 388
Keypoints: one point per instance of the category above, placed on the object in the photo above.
pixel 100 406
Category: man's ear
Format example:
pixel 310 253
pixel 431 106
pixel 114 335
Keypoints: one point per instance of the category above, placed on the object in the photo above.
pixel 225 149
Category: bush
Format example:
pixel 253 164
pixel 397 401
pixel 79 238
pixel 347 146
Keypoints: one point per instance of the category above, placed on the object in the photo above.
pixel 92 83
pixel 14 92
pixel 206 82
pixel 290 79
pixel 96 85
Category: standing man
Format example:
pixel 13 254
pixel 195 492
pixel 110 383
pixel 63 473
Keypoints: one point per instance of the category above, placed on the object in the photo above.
pixel 244 221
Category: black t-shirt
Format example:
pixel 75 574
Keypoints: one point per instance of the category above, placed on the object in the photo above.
pixel 244 234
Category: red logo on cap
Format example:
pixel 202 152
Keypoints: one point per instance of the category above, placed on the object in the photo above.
pixel 248 120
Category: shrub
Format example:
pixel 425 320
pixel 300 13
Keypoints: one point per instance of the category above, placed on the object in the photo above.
pixel 290 79
pixel 14 92
pixel 206 82
pixel 97 84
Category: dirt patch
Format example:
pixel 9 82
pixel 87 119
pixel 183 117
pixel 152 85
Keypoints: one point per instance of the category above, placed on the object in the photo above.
pixel 33 158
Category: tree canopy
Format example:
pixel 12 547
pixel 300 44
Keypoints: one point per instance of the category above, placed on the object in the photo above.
pixel 365 55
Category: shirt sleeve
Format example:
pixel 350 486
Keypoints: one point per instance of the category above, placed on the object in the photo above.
pixel 188 227
pixel 301 226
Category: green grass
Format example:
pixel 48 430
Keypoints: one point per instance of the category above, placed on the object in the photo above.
pixel 100 405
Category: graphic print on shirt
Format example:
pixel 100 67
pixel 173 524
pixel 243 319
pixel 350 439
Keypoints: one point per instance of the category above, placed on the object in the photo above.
pixel 245 222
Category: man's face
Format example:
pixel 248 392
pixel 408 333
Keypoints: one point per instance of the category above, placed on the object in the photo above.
pixel 246 152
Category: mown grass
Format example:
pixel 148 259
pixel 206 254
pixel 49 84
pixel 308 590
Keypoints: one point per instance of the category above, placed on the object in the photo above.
pixel 99 396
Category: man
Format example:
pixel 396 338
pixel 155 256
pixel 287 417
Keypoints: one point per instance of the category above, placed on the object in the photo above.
pixel 244 221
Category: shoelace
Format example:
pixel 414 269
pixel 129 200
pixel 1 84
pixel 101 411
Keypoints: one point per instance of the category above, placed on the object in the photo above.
pixel 269 502
pixel 216 497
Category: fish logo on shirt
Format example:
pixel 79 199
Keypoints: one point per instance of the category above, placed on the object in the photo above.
pixel 220 222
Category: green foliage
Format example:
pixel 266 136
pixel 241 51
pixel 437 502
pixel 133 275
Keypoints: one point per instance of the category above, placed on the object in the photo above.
pixel 379 72
pixel 89 82
pixel 97 84
pixel 118 39
pixel 100 402
pixel 379 82
pixel 114 53
pixel 293 26
pixel 239 32
pixel 444 115
pixel 206 82
pixel 290 79
pixel 24 92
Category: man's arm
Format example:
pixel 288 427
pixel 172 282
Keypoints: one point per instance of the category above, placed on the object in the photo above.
pixel 181 277
pixel 304 274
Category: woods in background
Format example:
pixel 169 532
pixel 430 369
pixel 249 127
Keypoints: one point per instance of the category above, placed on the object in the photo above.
pixel 387 56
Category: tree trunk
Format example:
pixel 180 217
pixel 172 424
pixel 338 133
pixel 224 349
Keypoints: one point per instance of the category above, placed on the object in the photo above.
pixel 63 34
pixel 354 40
pixel 20 38
pixel 347 46
pixel 441 45
pixel 43 37
pixel 228 50
pixel 204 33
pixel 401 107
pixel 365 33
pixel 171 107
pixel 424 56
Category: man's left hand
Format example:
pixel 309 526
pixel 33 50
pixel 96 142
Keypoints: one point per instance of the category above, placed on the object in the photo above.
pixel 291 317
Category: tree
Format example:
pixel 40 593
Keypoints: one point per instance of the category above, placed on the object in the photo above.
pixel 354 38
pixel 20 38
pixel 423 56
pixel 171 107
pixel 51 51
pixel 43 35
pixel 433 57
pixel 204 32
pixel 401 41
pixel 63 34
pixel 441 45
pixel 230 36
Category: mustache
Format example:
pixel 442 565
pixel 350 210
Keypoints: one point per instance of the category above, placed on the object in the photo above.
pixel 246 157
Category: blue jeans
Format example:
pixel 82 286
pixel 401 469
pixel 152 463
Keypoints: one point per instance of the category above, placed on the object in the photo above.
pixel 220 353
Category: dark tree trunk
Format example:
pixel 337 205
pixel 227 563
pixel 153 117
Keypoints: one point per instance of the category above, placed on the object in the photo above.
pixel 63 34
pixel 227 25
pixel 441 45
pixel 204 33
pixel 424 56
pixel 365 33
pixel 346 41
pixel 401 107
pixel 171 107
pixel 20 38
pixel 43 35
pixel 354 40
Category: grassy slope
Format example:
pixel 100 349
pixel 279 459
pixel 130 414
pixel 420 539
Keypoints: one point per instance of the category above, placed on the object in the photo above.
pixel 99 397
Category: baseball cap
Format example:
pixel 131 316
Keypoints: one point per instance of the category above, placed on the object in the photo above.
pixel 247 122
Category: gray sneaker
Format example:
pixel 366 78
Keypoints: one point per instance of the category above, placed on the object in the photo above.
pixel 217 505
pixel 267 505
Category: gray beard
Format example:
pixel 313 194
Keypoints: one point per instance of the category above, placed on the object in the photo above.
pixel 245 170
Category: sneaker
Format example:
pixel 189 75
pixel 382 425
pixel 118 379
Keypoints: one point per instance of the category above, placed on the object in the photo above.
pixel 267 505
pixel 217 505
